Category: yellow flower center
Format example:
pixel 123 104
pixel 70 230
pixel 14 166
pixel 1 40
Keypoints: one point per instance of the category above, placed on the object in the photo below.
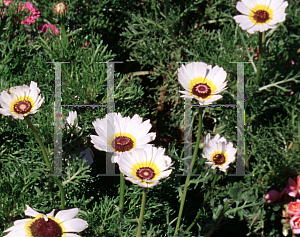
pixel 145 171
pixel 122 142
pixel 22 105
pixel 202 88
pixel 44 226
pixel 219 158
pixel 261 14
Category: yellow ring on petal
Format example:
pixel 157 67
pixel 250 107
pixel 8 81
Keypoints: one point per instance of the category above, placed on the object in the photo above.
pixel 260 8
pixel 121 135
pixel 216 153
pixel 20 99
pixel 30 222
pixel 203 80
pixel 145 164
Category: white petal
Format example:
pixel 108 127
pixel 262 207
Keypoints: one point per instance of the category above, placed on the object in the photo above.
pixel 184 77
pixel 165 174
pixel 75 225
pixel 17 233
pixel 67 214
pixel 18 224
pixel 71 118
pixel 217 75
pixel 261 28
pixel 275 4
pixel 252 30
pixel 146 139
pixel 199 69
pixel 30 212
pixel 277 18
pixel 4 112
pixel 245 22
pixel 51 213
pixel 264 2
pixel 71 235
pixel 212 99
pixel 250 3
pixel 243 8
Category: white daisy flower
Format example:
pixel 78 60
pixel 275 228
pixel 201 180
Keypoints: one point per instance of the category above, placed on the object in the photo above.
pixel 219 153
pixel 145 167
pixel 202 82
pixel 21 101
pixel 48 225
pixel 260 15
pixel 70 120
pixel 129 133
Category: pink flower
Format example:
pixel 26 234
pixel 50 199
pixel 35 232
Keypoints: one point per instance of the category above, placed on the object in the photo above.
pixel 291 187
pixel 86 44
pixel 7 2
pixel 272 196
pixel 294 208
pixel 45 28
pixel 298 183
pixel 33 13
pixel 295 224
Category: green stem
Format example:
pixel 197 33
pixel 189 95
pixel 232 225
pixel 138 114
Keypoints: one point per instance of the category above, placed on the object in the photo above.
pixel 190 170
pixel 260 56
pixel 204 201
pixel 219 219
pixel 122 187
pixel 62 192
pixel 63 28
pixel 139 231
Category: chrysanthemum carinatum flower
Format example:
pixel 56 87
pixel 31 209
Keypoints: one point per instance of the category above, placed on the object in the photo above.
pixel 219 153
pixel 260 15
pixel 21 101
pixel 128 133
pixel 145 167
pixel 60 8
pixel 71 119
pixel 47 225
pixel 202 82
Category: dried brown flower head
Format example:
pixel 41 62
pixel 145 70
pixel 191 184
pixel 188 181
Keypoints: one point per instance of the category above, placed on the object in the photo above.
pixel 60 8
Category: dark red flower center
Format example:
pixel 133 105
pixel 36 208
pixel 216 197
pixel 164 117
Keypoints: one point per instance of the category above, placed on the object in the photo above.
pixel 43 228
pixel 122 144
pixel 22 107
pixel 201 90
pixel 145 173
pixel 261 16
pixel 219 159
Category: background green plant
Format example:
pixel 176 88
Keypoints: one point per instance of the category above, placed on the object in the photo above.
pixel 151 38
